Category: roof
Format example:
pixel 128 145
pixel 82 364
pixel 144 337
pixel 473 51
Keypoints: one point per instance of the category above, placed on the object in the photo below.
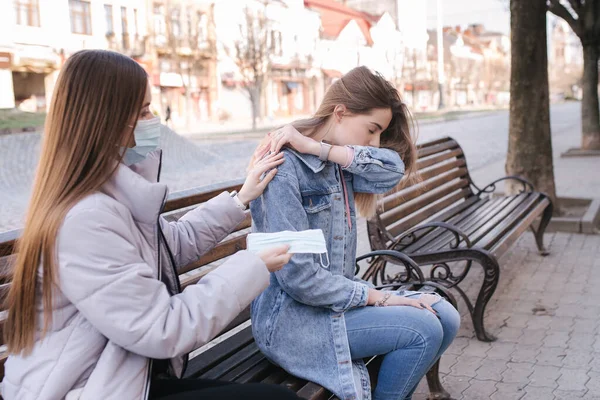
pixel 335 16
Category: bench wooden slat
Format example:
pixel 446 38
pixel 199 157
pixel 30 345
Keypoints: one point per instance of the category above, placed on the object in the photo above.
pixel 231 362
pixel 438 170
pixel 506 221
pixel 423 145
pixel 293 383
pixel 467 221
pixel 314 392
pixel 255 374
pixel 245 367
pixel 485 235
pixel 8 241
pixel 418 203
pixel 432 160
pixel 427 212
pixel 190 197
pixel 502 245
pixel 437 148
pixel 398 198
pixel 276 377
pixel 478 220
pixel 213 356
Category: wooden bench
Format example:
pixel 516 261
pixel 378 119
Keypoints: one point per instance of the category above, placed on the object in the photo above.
pixel 446 218
pixel 233 355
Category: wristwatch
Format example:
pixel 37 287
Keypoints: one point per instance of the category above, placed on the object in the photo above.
pixel 325 149
pixel 238 202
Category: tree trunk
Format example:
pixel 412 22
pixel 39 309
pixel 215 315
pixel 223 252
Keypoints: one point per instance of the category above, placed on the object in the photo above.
pixel 590 112
pixel 530 141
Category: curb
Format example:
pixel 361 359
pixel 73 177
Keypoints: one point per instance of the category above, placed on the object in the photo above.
pixel 265 129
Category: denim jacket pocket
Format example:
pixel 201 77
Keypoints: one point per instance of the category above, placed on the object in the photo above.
pixel 316 203
pixel 272 321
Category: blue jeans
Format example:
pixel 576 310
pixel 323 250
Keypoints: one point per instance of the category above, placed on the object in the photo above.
pixel 412 340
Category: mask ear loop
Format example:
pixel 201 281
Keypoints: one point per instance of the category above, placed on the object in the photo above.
pixel 321 260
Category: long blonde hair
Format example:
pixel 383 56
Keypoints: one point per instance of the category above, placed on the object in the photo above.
pixel 362 91
pixel 97 95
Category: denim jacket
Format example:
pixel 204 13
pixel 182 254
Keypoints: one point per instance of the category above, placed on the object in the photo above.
pixel 298 322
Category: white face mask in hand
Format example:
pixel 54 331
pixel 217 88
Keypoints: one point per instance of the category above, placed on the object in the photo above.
pixel 310 241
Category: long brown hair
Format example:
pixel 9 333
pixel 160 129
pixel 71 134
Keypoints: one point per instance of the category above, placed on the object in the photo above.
pixel 362 91
pixel 97 95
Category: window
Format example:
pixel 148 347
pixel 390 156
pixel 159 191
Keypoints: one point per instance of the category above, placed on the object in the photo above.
pixel 202 27
pixel 175 23
pixel 28 12
pixel 108 16
pixel 124 28
pixel 81 17
pixel 276 43
pixel 158 19
pixel 135 22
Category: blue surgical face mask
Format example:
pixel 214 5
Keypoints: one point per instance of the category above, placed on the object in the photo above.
pixel 147 135
pixel 309 241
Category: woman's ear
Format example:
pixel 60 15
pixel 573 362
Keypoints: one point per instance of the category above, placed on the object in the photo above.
pixel 339 111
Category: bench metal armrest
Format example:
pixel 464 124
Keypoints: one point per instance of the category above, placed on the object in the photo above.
pixel 412 268
pixel 409 237
pixel 491 187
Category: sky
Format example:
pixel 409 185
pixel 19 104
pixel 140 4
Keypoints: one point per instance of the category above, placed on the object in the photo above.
pixel 493 14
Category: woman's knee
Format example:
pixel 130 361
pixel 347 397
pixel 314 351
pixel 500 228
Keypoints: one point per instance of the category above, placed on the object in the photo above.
pixel 430 329
pixel 449 317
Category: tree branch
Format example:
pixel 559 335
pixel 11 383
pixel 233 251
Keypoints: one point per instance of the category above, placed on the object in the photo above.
pixel 556 8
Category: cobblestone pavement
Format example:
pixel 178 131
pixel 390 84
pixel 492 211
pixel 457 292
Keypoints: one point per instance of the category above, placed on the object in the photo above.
pixel 546 316
pixel 202 162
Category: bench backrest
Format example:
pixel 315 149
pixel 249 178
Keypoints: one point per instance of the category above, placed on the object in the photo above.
pixel 443 181
pixel 177 205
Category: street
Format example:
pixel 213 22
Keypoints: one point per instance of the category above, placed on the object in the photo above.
pixel 201 162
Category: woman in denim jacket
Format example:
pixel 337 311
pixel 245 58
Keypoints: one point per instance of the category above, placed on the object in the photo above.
pixel 316 320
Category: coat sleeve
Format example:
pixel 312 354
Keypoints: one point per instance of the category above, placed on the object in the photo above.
pixel 101 271
pixel 201 229
pixel 375 170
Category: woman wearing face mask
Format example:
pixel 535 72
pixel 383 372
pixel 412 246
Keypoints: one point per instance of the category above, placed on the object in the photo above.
pixel 316 320
pixel 94 308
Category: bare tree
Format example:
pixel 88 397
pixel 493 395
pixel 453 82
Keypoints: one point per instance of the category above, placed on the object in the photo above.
pixel 252 55
pixel 530 141
pixel 496 73
pixel 188 44
pixel 583 16
pixel 411 72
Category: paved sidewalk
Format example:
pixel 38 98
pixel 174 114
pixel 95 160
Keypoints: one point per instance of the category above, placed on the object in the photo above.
pixel 546 316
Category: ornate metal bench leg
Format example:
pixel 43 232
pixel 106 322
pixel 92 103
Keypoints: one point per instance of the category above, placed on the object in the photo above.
pixel 436 390
pixel 539 232
pixel 491 274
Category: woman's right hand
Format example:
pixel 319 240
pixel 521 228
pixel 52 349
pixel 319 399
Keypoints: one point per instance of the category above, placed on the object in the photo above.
pixel 290 135
pixel 256 183
pixel 276 257
pixel 423 301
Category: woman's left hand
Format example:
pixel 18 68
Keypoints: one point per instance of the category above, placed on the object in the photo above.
pixel 254 186
pixel 290 135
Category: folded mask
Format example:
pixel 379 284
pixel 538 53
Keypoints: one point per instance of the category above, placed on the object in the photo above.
pixel 309 241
